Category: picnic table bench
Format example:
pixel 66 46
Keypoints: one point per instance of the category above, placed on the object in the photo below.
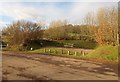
pixel 68 45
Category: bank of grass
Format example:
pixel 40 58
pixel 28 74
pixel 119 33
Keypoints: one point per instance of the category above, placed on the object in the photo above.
pixel 57 51
pixel 106 52
pixel 102 53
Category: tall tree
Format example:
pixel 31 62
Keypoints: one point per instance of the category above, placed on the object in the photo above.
pixel 56 30
pixel 108 26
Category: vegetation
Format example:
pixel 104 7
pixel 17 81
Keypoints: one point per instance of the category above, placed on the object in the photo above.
pixel 21 33
pixel 80 44
pixel 106 52
pixel 100 28
pixel 56 51
pixel 97 29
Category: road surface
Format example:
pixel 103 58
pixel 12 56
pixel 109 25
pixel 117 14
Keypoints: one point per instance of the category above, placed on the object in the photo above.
pixel 18 66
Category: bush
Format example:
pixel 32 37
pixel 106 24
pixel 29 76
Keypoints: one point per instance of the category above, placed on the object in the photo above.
pixel 80 44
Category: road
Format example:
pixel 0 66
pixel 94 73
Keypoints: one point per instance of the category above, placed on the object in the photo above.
pixel 19 66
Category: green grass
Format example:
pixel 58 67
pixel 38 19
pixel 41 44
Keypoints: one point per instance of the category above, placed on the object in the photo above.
pixel 57 52
pixel 106 52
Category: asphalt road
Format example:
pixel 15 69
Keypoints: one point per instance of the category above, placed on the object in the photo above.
pixel 17 66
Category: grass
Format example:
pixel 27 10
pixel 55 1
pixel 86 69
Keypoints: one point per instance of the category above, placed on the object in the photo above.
pixel 106 52
pixel 103 53
pixel 57 52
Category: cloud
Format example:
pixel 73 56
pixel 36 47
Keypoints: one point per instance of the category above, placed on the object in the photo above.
pixel 45 11
pixel 59 0
pixel 19 11
pixel 2 24
pixel 80 9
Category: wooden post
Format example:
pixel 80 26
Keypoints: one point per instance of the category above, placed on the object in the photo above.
pixel 55 51
pixel 68 52
pixel 83 53
pixel 50 50
pixel 75 53
pixel 62 52
pixel 44 49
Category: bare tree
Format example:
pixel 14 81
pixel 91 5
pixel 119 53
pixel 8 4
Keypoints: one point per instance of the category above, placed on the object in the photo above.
pixel 90 22
pixel 56 30
pixel 21 32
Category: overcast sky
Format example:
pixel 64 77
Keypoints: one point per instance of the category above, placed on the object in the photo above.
pixel 49 10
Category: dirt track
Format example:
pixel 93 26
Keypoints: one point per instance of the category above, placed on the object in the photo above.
pixel 18 66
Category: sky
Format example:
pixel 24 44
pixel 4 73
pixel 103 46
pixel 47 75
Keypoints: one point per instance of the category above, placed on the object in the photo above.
pixel 48 10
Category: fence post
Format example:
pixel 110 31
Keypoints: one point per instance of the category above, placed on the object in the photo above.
pixel 75 53
pixel 62 51
pixel 50 50
pixel 45 50
pixel 55 51
pixel 68 52
pixel 83 53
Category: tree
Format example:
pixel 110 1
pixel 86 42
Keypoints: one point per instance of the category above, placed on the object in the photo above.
pixel 108 26
pixel 22 32
pixel 56 30
pixel 91 24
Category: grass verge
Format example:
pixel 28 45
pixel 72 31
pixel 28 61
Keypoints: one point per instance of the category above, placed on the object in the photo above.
pixel 102 53
pixel 58 52
pixel 106 52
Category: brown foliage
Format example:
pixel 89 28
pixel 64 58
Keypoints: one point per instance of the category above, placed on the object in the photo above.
pixel 21 32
